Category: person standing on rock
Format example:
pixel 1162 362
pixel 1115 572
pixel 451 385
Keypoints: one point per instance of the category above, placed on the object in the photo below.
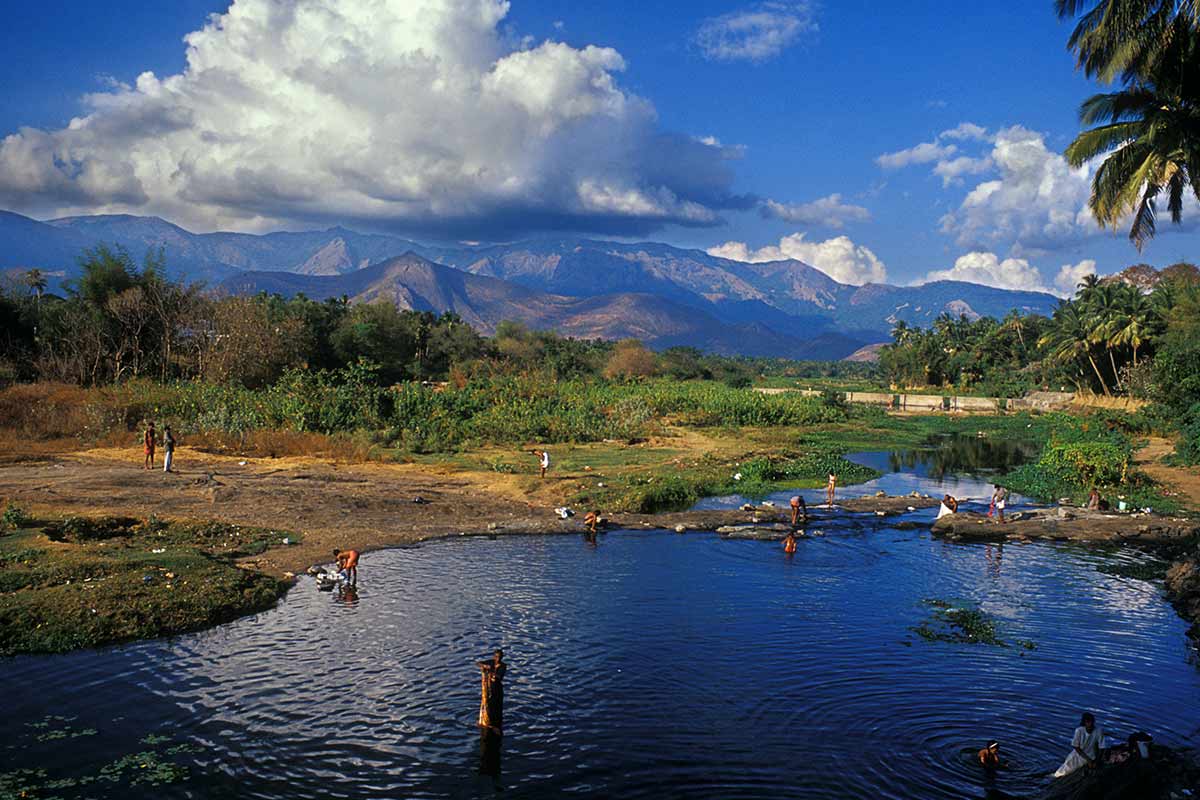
pixel 491 700
pixel 168 449
pixel 148 444
pixel 999 500
pixel 831 489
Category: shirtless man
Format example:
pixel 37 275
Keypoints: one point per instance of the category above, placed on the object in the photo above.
pixel 347 561
pixel 149 441
pixel 789 543
pixel 831 489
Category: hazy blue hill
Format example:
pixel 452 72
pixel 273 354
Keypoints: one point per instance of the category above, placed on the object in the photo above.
pixel 784 307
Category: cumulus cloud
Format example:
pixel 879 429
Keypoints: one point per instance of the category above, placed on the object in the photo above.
pixel 952 170
pixel 924 153
pixel 757 33
pixel 422 115
pixel 990 270
pixel 839 258
pixel 1069 276
pixel 829 211
pixel 1038 203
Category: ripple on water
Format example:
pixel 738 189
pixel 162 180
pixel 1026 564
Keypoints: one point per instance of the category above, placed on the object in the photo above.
pixel 653 665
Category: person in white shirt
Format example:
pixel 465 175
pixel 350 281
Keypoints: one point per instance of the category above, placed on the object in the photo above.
pixel 1085 747
pixel 543 460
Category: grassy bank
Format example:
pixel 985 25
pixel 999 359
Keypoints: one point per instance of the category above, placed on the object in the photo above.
pixel 84 582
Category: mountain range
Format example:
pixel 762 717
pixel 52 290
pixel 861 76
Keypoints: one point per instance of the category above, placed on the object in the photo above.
pixel 582 287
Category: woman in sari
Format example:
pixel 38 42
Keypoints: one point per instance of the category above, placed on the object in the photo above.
pixel 491 701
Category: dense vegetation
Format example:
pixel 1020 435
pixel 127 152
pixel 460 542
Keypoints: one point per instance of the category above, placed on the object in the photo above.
pixel 1113 338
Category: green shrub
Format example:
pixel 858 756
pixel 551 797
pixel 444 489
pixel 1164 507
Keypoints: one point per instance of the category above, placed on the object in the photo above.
pixel 15 518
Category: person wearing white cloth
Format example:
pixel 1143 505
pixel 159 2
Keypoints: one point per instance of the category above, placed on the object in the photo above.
pixel 1085 747
pixel 949 505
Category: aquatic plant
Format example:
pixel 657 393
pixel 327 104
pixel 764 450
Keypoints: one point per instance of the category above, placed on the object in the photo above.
pixel 962 624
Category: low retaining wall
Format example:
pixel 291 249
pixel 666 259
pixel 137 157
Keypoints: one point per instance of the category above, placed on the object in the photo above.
pixel 1034 401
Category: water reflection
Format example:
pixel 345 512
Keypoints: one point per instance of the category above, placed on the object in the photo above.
pixel 954 454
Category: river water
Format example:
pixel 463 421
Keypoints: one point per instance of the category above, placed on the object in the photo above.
pixel 645 665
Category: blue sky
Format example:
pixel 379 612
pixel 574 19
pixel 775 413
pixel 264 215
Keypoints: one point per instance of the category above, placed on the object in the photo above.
pixel 800 100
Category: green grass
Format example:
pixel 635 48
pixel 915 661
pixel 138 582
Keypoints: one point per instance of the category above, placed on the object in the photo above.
pixel 80 582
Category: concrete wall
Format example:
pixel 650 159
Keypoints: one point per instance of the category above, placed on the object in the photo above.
pixel 1034 401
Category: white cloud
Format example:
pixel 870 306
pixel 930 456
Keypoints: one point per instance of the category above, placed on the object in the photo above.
pixel 924 153
pixel 966 131
pixel 988 269
pixel 828 211
pixel 424 114
pixel 952 170
pixel 839 258
pixel 1038 203
pixel 1069 276
pixel 757 33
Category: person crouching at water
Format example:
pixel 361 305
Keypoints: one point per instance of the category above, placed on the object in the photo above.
pixel 789 543
pixel 347 561
pixel 148 444
pixel 949 506
pixel 592 521
pixel 989 757
pixel 168 449
pixel 1085 746
pixel 831 489
pixel 799 510
pixel 491 700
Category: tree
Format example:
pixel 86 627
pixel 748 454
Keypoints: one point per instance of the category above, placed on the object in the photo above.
pixel 1146 133
pixel 36 282
pixel 1069 338
pixel 630 359
pixel 1123 39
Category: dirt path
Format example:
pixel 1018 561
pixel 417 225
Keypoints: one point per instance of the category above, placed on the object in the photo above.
pixel 364 506
pixel 1183 482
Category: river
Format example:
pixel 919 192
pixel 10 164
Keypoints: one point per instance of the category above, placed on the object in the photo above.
pixel 646 665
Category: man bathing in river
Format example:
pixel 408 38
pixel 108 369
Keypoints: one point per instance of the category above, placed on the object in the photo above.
pixel 347 561
pixel 989 757
pixel 592 521
pixel 789 543
pixel 149 442
pixel 491 700
pixel 799 510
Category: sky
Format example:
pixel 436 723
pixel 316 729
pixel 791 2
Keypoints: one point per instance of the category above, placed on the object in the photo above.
pixel 879 142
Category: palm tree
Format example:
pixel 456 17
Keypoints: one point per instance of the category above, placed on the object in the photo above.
pixel 1147 131
pixel 1102 309
pixel 1069 337
pixel 36 281
pixel 1133 327
pixel 1125 38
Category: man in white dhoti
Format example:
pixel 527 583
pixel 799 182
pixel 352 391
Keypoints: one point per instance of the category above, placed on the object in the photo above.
pixel 1085 747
